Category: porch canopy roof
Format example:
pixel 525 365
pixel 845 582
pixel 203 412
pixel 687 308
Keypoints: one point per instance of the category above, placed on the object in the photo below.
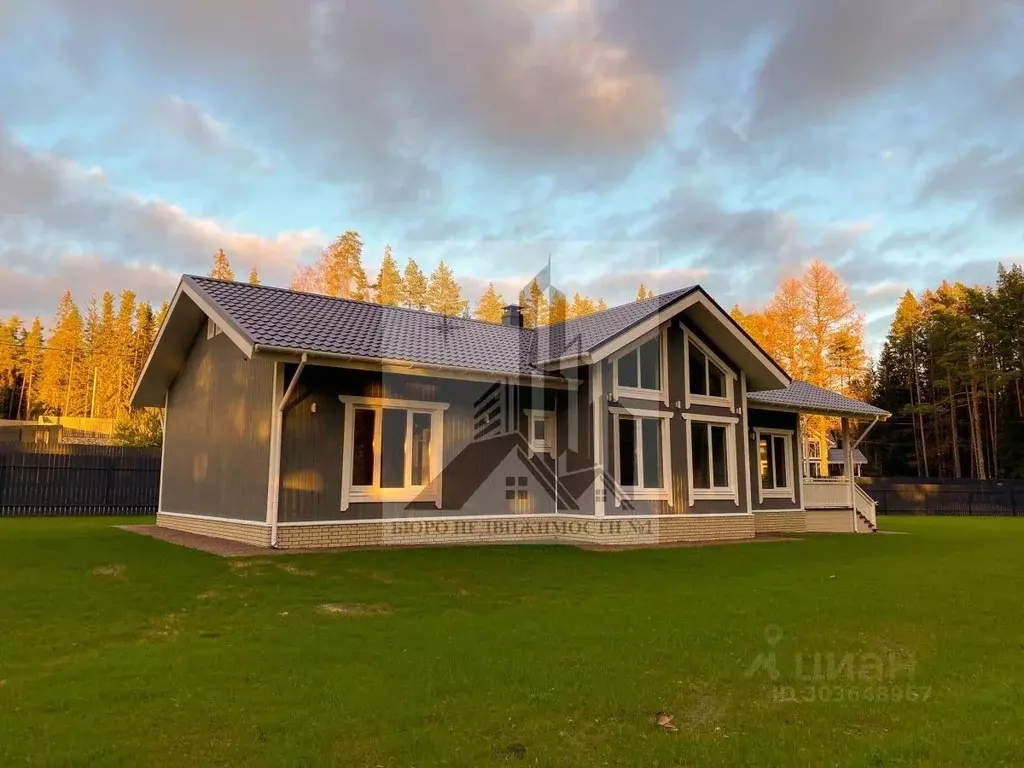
pixel 808 398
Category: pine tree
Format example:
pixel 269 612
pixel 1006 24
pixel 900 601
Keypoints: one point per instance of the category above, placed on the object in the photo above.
pixel 644 293
pixel 443 293
pixel 601 305
pixel 338 271
pixel 11 362
pixel 581 306
pixel 221 269
pixel 491 307
pixel 389 281
pixel 534 304
pixel 558 311
pixel 414 294
pixel 63 352
pixel 125 339
pixel 31 371
pixel 254 276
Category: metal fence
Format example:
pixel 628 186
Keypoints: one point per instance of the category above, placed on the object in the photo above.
pixel 70 480
pixel 946 497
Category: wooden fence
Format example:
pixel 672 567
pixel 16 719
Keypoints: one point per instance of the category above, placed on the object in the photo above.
pixel 69 480
pixel 946 497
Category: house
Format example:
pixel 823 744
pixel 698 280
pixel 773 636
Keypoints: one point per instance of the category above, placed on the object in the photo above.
pixel 836 458
pixel 296 420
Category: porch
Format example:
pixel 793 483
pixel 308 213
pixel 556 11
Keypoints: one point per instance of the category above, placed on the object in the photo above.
pixel 821 494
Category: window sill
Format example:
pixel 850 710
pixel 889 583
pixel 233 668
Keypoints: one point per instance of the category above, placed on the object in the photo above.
pixel 635 393
pixel 720 495
pixel 778 493
pixel 644 494
pixel 396 495
pixel 717 402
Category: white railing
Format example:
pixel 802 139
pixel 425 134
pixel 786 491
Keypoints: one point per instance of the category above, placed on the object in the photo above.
pixel 826 493
pixel 865 505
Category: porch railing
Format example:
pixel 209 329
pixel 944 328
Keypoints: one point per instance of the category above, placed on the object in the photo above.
pixel 865 506
pixel 826 493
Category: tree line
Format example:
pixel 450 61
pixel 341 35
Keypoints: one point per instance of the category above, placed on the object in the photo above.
pixel 86 366
pixel 339 272
pixel 950 373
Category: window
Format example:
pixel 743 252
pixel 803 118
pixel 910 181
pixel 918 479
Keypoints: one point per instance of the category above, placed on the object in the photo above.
pixel 638 372
pixel 640 444
pixel 712 458
pixel 708 379
pixel 391 451
pixel 540 433
pixel 774 452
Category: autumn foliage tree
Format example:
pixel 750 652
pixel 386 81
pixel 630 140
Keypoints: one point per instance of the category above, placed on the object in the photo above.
pixel 816 332
pixel 221 269
pixel 491 307
pixel 389 288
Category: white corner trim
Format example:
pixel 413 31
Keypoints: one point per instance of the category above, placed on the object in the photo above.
pixel 347 441
pixel 276 422
pixel 163 453
pixel 748 465
pixel 597 409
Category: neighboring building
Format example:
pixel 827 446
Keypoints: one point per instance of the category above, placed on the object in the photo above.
pixel 298 420
pixel 836 459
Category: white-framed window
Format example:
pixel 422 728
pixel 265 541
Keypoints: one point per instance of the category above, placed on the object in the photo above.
pixel 711 449
pixel 540 431
pixel 639 370
pixel 642 459
pixel 392 450
pixel 708 380
pixel 775 464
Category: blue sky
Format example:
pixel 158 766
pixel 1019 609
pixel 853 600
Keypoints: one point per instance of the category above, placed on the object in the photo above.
pixel 724 142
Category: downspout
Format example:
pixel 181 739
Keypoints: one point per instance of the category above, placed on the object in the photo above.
pixel 280 419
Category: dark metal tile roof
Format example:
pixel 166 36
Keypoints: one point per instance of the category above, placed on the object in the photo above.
pixel 313 323
pixel 836 456
pixel 585 334
pixel 801 396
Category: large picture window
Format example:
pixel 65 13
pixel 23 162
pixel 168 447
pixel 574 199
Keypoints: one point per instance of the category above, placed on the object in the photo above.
pixel 391 450
pixel 712 453
pixel 641 447
pixel 639 372
pixel 708 380
pixel 774 456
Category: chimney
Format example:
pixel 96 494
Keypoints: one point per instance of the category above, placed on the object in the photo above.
pixel 512 315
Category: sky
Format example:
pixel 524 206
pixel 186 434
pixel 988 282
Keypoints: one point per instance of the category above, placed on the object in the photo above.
pixel 720 142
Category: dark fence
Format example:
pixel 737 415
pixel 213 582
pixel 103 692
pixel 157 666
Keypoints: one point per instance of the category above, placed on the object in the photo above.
pixel 67 480
pixel 946 497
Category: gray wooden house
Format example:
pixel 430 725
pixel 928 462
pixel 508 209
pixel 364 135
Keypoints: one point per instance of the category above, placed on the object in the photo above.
pixel 296 420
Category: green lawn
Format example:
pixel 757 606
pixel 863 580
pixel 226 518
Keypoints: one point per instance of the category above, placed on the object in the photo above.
pixel 121 650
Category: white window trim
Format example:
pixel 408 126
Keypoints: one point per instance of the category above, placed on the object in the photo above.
pixel 640 493
pixel 725 493
pixel 729 401
pixel 429 492
pixel 775 493
pixel 639 393
pixel 547 445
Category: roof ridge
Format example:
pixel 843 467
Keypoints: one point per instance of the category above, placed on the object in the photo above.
pixel 364 302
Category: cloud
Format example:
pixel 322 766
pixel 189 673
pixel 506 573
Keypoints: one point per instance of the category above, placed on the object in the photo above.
pixel 983 176
pixel 387 90
pixel 49 205
pixel 840 51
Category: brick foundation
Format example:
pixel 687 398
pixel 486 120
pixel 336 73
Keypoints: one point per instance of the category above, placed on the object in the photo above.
pixel 780 521
pixel 607 531
pixel 257 535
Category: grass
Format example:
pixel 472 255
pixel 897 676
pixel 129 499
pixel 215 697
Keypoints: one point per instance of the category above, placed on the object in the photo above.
pixel 121 650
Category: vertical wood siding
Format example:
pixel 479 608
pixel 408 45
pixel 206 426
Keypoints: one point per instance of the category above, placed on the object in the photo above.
pixel 218 433
pixel 474 475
